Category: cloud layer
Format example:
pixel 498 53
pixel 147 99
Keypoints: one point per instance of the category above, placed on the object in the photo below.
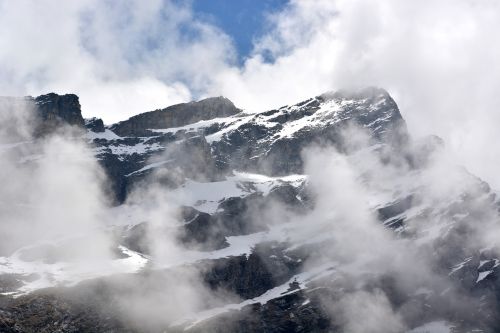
pixel 437 58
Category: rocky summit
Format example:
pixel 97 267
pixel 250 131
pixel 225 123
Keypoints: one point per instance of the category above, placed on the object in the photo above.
pixel 323 216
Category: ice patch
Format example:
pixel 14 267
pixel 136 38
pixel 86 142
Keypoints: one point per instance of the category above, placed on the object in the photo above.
pixel 483 275
pixel 206 196
pixel 124 150
pixel 225 121
pixel 433 327
pixel 233 126
pixel 459 266
pixel 106 135
pixel 327 111
pixel 68 273
pixel 148 167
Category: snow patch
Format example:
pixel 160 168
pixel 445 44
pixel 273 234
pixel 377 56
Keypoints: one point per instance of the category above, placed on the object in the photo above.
pixel 106 135
pixel 68 273
pixel 483 275
pixel 433 327
pixel 206 197
pixel 459 266
pixel 301 279
pixel 148 167
pixel 224 121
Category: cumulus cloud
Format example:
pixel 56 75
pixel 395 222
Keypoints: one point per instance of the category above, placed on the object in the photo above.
pixel 51 190
pixel 437 58
pixel 121 58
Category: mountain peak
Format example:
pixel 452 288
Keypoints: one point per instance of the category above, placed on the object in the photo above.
pixel 65 108
pixel 362 93
pixel 176 115
pixel 216 101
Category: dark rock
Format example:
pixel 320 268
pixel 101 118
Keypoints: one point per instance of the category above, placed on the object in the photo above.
pixel 176 116
pixel 390 213
pixel 136 238
pixel 55 110
pixel 29 117
pixel 265 268
pixel 95 125
pixel 255 147
pixel 57 312
pixel 201 231
pixel 297 312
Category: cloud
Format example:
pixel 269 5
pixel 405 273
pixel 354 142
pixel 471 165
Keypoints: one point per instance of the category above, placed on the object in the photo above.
pixel 121 58
pixel 51 192
pixel 58 228
pixel 434 57
pixel 385 278
pixel 368 312
pixel 437 58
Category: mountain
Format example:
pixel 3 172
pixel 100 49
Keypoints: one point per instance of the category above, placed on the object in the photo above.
pixel 323 216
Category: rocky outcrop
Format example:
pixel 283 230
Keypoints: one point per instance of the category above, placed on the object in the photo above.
pixel 95 125
pixel 54 110
pixel 175 116
pixel 299 312
pixel 35 117
pixel 265 268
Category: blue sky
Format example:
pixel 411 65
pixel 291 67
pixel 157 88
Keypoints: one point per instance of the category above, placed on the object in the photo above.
pixel 243 20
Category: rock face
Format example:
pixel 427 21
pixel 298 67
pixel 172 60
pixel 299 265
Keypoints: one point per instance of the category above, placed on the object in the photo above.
pixel 45 113
pixel 259 236
pixel 269 143
pixel 272 142
pixel 175 116
pixel 53 109
pixel 95 125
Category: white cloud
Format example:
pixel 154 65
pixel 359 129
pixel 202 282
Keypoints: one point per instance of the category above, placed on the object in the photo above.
pixel 121 58
pixel 437 58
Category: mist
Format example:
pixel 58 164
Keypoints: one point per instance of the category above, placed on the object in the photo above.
pixel 51 187
pixel 350 231
pixel 390 225
pixel 380 263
